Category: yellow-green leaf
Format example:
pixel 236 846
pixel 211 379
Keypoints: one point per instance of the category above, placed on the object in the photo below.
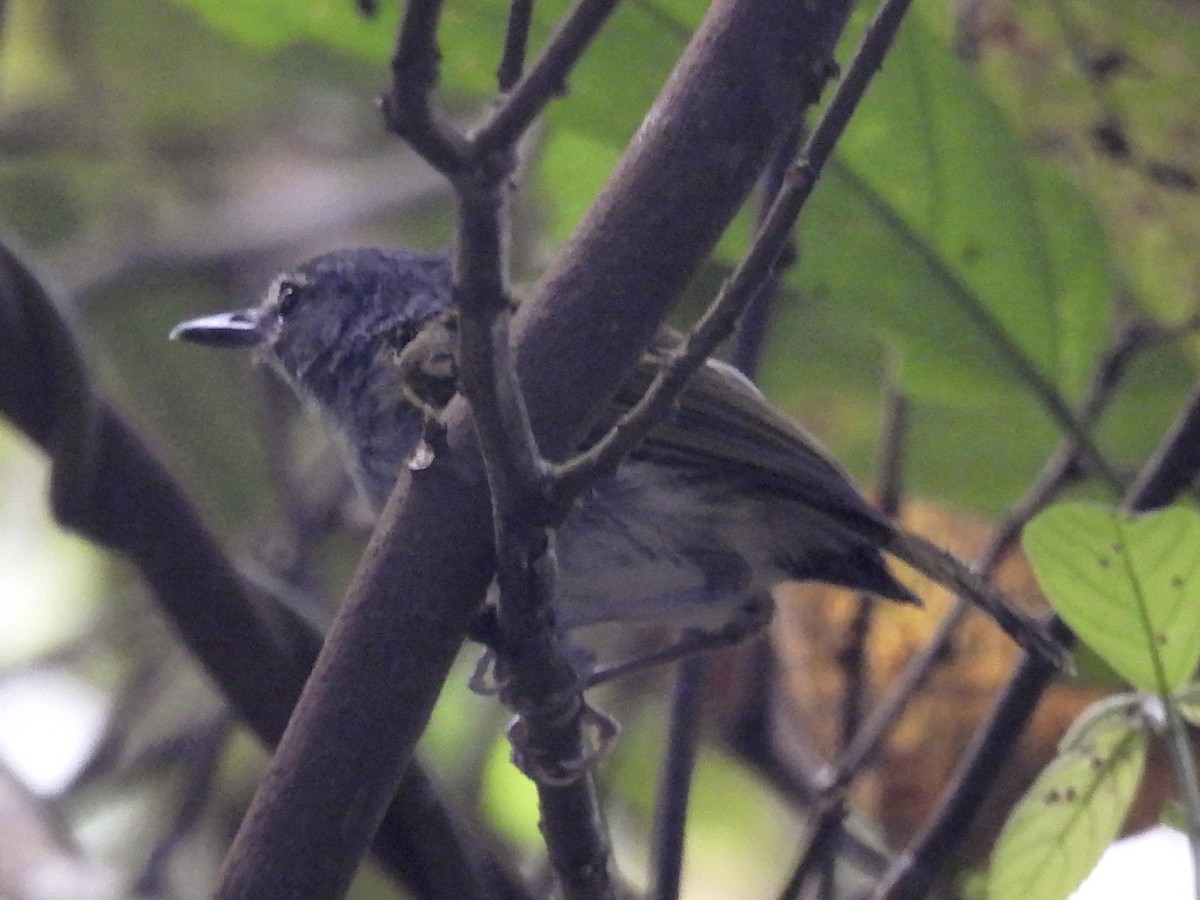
pixel 1073 811
pixel 1128 585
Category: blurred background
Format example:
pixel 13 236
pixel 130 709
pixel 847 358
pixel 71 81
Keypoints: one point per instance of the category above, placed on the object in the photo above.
pixel 162 160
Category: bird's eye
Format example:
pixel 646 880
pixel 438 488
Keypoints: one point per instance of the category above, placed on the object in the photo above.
pixel 287 296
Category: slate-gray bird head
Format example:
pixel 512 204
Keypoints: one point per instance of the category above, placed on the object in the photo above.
pixel 331 327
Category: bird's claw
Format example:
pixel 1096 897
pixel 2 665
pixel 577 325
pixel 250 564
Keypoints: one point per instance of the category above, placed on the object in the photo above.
pixel 599 734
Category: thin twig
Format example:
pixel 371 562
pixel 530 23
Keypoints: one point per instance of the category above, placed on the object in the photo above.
pixel 516 40
pixel 822 844
pixel 829 823
pixel 407 105
pixel 539 677
pixel 539 682
pixel 683 735
pixel 675 780
pixel 488 379
pixel 890 481
pixel 549 739
pixel 854 659
pixel 200 756
pixel 751 333
pixel 545 80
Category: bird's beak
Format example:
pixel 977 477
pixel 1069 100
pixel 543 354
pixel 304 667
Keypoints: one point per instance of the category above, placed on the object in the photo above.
pixel 241 328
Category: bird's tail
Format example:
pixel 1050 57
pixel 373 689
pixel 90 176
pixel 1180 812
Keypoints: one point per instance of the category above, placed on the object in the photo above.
pixel 948 570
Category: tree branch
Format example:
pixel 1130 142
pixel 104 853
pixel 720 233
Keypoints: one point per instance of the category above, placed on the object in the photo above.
pixel 407 105
pixel 547 79
pixel 516 41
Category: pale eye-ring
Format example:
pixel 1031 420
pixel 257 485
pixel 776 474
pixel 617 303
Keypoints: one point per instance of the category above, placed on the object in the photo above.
pixel 287 296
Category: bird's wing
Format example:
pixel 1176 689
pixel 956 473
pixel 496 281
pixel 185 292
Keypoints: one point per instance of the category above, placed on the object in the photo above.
pixel 723 423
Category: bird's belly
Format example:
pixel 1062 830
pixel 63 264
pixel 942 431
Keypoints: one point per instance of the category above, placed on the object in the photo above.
pixel 649 546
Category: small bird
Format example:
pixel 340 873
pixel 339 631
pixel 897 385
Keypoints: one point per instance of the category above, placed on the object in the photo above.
pixel 723 500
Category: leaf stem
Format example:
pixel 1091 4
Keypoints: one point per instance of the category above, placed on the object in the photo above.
pixel 1185 777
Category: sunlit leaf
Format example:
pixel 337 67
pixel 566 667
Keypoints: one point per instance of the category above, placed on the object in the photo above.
pixel 938 227
pixel 1073 811
pixel 1128 585
pixel 1149 95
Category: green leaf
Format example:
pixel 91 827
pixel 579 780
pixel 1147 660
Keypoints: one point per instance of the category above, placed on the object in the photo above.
pixel 1154 96
pixel 1073 811
pixel 935 224
pixel 1099 716
pixel 271 24
pixel 1128 585
pixel 1187 701
pixel 608 93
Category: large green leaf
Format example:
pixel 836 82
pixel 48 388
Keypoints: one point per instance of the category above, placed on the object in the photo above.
pixel 271 24
pixel 1152 91
pixel 1128 585
pixel 982 267
pixel 609 91
pixel 1073 811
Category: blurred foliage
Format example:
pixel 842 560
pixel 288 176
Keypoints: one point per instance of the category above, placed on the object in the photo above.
pixel 966 253
pixel 164 159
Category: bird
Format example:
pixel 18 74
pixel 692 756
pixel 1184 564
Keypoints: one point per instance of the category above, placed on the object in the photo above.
pixel 726 498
